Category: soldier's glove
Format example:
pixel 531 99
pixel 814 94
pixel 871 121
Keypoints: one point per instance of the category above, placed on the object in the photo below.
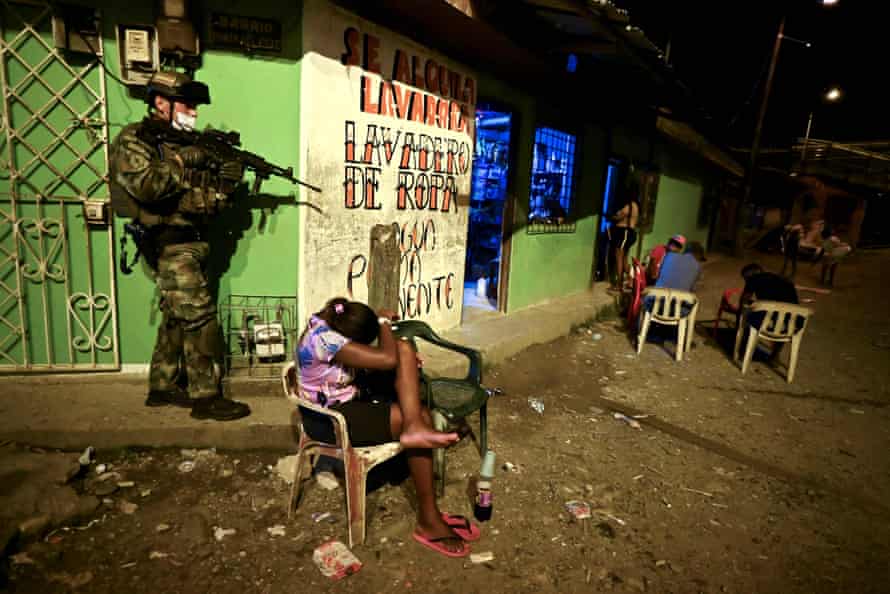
pixel 193 157
pixel 231 171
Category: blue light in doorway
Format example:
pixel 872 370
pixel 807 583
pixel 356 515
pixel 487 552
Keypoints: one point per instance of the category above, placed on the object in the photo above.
pixel 611 178
pixel 572 63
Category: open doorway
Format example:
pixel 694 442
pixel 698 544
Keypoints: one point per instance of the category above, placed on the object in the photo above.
pixel 616 172
pixel 488 195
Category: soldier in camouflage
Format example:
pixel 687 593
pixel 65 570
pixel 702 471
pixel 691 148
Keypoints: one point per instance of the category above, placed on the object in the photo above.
pixel 170 191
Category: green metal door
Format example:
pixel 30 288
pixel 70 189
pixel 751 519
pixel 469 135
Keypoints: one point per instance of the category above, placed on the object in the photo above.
pixel 57 292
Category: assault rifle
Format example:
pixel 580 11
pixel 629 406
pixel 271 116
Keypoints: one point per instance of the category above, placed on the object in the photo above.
pixel 220 147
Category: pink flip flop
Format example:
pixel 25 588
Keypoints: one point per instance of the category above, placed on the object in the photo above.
pixel 462 526
pixel 436 545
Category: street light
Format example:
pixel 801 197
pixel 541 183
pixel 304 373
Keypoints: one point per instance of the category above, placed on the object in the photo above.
pixel 832 95
pixel 758 129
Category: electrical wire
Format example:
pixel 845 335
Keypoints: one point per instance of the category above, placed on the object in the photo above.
pixel 100 59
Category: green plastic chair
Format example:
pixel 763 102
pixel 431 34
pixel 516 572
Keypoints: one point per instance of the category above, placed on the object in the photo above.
pixel 450 400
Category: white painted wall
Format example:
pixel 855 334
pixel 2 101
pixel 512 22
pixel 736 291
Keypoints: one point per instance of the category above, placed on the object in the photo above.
pixel 355 127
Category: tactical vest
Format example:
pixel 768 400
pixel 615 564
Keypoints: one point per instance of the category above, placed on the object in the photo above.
pixel 125 206
pixel 170 212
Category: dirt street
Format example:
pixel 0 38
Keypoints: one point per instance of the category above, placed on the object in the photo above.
pixel 731 483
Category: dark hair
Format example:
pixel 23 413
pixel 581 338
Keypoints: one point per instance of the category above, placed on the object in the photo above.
pixel 751 270
pixel 352 319
pixel 697 250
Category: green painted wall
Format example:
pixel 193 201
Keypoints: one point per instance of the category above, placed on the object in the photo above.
pixel 547 265
pixel 550 265
pixel 676 211
pixel 254 244
pixel 681 186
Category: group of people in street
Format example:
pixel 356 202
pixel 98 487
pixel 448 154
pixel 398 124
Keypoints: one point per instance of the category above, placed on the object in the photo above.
pixel 820 242
pixel 677 263
pixel 670 265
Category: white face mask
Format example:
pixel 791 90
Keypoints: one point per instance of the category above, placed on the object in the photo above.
pixel 184 121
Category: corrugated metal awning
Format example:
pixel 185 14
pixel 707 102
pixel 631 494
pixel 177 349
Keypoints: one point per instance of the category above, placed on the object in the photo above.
pixel 694 141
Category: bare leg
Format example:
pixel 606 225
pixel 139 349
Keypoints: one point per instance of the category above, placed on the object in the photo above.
pixel 620 264
pixel 415 430
pixel 420 462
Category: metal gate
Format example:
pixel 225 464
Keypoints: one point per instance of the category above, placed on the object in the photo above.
pixel 57 278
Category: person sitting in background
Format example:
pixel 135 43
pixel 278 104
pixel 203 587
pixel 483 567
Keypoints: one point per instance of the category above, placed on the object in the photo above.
pixel 764 286
pixel 675 244
pixel 833 250
pixel 682 271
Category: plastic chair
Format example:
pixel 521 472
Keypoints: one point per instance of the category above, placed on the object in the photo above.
pixel 450 400
pixel 357 461
pixel 636 295
pixel 780 325
pixel 667 309
pixel 726 305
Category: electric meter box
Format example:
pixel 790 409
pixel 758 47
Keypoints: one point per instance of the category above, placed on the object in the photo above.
pixel 137 53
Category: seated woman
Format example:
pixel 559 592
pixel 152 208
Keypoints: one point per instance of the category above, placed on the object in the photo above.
pixel 333 348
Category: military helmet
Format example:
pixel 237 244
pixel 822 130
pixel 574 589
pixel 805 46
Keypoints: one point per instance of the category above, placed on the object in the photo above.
pixel 178 87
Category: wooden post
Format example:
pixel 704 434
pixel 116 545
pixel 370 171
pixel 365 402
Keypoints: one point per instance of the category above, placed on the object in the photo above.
pixel 739 223
pixel 383 268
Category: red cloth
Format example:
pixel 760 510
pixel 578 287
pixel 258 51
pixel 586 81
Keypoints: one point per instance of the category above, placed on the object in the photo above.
pixel 639 283
pixel 656 257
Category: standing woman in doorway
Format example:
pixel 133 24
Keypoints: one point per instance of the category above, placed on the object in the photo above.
pixel 622 233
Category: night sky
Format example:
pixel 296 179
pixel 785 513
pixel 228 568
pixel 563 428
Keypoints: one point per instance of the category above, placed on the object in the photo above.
pixel 721 50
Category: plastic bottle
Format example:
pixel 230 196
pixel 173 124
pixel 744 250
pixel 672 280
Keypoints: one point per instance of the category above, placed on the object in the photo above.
pixel 483 507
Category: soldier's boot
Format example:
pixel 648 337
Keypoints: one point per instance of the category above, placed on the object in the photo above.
pixel 218 408
pixel 175 397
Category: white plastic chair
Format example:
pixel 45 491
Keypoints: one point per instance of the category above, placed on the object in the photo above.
pixel 667 310
pixel 780 324
pixel 357 461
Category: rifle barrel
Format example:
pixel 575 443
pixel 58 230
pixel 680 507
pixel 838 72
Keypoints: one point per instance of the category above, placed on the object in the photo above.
pixel 225 145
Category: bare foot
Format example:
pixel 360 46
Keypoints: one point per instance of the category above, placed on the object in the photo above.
pixel 421 436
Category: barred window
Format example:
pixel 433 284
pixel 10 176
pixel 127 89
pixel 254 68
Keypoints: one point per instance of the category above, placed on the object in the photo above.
pixel 552 181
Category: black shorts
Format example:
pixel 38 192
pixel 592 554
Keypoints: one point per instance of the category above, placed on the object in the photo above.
pixel 622 237
pixel 367 415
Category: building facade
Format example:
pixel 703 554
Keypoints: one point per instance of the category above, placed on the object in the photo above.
pixel 496 180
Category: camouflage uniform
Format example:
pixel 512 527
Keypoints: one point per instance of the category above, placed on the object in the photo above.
pixel 188 337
